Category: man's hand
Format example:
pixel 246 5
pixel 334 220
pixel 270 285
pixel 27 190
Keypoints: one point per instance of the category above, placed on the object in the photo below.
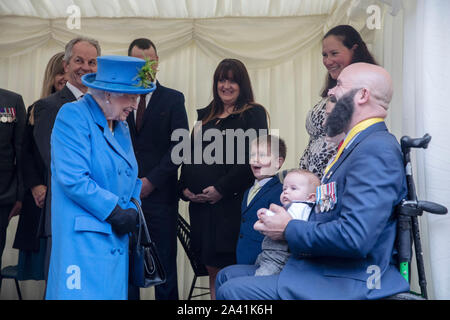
pixel 39 193
pixel 191 196
pixel 273 226
pixel 15 210
pixel 147 188
pixel 210 195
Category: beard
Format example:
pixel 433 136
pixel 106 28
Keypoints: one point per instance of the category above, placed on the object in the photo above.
pixel 339 118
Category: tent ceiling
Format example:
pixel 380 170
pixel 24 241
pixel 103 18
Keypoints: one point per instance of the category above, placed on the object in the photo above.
pixel 194 9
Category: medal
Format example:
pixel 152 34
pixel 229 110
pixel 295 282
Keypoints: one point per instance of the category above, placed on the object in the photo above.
pixel 326 197
pixel 318 200
pixel 7 115
pixel 328 200
pixel 333 194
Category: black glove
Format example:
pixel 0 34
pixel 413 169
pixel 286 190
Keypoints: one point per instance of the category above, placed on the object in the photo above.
pixel 123 220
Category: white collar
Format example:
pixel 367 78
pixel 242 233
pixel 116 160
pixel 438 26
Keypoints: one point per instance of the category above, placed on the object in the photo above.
pixel 75 91
pixel 262 182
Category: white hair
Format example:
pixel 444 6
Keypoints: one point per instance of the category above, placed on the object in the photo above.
pixel 100 94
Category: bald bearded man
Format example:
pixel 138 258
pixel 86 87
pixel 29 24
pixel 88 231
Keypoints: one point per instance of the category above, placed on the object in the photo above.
pixel 346 248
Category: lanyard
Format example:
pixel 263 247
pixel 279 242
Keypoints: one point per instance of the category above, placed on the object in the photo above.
pixel 363 125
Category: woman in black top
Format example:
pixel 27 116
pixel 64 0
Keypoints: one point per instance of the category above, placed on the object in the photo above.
pixel 215 180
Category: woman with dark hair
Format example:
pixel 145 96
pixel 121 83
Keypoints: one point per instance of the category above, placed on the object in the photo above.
pixel 341 46
pixel 215 186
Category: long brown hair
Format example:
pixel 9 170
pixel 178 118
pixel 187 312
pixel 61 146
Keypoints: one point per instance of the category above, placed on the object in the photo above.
pixel 232 69
pixel 349 37
pixel 54 67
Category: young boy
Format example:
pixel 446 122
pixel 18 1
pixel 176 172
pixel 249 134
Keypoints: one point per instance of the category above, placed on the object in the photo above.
pixel 267 155
pixel 298 196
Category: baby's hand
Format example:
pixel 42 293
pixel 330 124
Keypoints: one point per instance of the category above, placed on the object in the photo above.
pixel 264 211
pixel 261 212
pixel 269 213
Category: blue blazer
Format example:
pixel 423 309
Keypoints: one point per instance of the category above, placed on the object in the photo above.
pixel 92 172
pixel 342 253
pixel 249 242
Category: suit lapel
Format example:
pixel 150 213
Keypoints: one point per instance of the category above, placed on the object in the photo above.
pixel 360 137
pixel 156 96
pixel 154 100
pixel 260 193
pixel 66 96
pixel 120 141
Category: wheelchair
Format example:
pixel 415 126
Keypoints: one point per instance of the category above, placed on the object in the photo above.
pixel 408 233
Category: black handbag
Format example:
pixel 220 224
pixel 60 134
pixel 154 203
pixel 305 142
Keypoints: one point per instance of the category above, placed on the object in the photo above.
pixel 146 269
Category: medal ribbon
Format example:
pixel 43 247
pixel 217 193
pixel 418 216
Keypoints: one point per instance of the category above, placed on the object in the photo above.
pixel 363 125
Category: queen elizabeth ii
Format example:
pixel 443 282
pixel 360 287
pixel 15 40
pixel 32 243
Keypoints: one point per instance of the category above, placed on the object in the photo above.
pixel 94 178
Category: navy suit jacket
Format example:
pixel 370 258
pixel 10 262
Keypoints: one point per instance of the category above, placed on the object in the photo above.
pixel 11 134
pixel 165 113
pixel 249 242
pixel 348 252
pixel 45 112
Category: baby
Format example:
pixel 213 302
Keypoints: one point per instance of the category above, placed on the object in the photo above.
pixel 298 196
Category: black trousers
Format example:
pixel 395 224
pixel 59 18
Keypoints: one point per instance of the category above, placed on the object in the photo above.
pixel 161 221
pixel 4 213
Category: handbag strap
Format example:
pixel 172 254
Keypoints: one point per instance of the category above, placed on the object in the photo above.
pixel 142 224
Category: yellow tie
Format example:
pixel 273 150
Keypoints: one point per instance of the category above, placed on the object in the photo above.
pixel 253 192
pixel 363 125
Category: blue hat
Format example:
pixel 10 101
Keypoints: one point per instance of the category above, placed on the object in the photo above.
pixel 117 74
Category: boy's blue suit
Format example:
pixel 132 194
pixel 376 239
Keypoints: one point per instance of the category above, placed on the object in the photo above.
pixel 249 243
pixel 342 253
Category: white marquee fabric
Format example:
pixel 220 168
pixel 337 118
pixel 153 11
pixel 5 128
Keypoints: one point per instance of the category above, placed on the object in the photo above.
pixel 280 43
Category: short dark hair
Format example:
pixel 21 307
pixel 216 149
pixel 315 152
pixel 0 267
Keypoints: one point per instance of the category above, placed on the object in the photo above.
pixel 349 37
pixel 269 139
pixel 141 43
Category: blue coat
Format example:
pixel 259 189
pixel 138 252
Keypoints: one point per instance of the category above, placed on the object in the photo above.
pixel 340 254
pixel 92 172
pixel 249 243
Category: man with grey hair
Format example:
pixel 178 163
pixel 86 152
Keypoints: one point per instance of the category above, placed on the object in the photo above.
pixel 80 57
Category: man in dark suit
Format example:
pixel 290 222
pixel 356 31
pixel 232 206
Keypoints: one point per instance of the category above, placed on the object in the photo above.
pixel 159 114
pixel 80 57
pixel 346 248
pixel 12 125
